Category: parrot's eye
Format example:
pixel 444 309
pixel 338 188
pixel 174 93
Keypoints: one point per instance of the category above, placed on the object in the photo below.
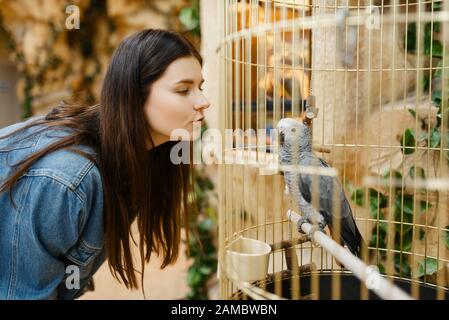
pixel 293 130
pixel 282 136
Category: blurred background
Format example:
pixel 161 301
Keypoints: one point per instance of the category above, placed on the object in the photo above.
pixel 53 50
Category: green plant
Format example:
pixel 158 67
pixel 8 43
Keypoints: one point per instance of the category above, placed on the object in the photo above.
pixel 403 209
pixel 190 17
pixel 446 237
pixel 202 226
pixel 433 81
pixel 427 266
pixel 202 249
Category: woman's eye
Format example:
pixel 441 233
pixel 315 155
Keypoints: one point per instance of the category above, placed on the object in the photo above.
pixel 183 92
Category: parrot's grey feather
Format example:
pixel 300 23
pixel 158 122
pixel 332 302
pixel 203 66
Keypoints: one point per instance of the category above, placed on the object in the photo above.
pixel 349 232
pixel 297 150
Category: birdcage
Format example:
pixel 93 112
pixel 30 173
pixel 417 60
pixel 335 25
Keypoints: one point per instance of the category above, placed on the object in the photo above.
pixel 371 77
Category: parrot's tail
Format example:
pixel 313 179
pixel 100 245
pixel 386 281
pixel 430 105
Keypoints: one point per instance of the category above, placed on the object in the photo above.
pixel 362 250
pixel 353 240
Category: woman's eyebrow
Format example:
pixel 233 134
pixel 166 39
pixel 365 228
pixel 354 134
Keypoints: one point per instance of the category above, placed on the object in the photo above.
pixel 190 81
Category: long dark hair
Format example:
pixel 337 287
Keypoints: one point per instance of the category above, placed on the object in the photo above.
pixel 137 183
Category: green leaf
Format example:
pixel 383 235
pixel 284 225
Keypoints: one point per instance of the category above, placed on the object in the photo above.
pixel 212 256
pixel 376 201
pixel 358 196
pixel 435 138
pixel 426 83
pixel 194 277
pixel 428 266
pixel 437 100
pixel 408 141
pixel 206 225
pixel 429 41
pixel 423 136
pixel 206 270
pixel 383 226
pixel 189 17
pixel 447 236
pixel 404 241
pixel 407 204
pixel 424 206
pixel 438 72
pixel 436 97
pixel 418 172
pixel 395 175
pixel 402 230
pixel 437 5
pixel 437 49
pixel 427 38
pixel 209 248
pixel 375 198
pixel 412 112
pixel 402 265
pixel 436 27
pixel 382 239
pixel 411 38
pixel 211 214
pixel 381 268
pixel 422 233
pixel 373 241
pixel 373 205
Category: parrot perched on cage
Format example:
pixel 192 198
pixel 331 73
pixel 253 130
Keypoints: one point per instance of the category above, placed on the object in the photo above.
pixel 296 149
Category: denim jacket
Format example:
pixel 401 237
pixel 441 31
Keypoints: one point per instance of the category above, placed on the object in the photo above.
pixel 51 241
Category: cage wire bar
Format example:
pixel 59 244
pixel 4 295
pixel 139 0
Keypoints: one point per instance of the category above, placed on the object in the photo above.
pixel 379 76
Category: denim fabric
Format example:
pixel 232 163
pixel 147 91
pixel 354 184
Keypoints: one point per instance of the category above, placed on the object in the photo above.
pixel 56 228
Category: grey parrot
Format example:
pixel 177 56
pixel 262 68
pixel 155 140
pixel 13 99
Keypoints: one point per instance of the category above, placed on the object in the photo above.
pixel 296 149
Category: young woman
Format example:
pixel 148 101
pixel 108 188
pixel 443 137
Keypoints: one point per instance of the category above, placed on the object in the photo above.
pixel 73 182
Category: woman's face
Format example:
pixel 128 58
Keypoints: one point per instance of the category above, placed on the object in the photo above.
pixel 176 101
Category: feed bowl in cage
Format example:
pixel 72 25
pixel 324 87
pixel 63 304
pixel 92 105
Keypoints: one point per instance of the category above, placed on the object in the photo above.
pixel 247 259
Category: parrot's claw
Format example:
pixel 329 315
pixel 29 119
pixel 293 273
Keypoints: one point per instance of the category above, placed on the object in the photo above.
pixel 300 222
pixel 318 227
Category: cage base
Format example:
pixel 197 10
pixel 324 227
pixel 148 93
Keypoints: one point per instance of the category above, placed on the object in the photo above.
pixel 349 287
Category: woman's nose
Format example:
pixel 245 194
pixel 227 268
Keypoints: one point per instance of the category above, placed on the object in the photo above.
pixel 202 103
